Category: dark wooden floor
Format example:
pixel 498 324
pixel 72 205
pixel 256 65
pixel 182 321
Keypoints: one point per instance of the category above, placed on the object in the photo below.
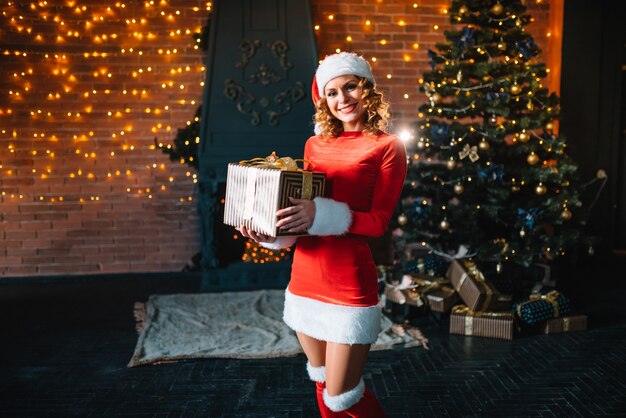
pixel 65 344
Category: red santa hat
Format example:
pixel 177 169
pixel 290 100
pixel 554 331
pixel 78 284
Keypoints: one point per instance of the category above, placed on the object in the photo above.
pixel 336 65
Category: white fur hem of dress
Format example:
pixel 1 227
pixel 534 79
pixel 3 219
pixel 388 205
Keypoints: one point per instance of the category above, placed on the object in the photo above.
pixel 329 322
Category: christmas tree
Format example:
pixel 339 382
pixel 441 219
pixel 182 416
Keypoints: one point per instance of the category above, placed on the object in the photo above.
pixel 490 175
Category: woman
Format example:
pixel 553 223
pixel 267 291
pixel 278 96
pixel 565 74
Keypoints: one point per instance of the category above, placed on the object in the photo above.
pixel 331 301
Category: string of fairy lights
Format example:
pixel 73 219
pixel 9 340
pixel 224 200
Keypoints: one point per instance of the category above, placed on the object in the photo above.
pixel 56 50
pixel 86 81
pixel 368 26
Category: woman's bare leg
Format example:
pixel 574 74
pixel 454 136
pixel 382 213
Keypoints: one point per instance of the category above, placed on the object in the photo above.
pixel 315 350
pixel 344 366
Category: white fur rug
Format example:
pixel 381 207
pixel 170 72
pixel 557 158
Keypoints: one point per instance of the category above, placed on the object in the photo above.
pixel 230 325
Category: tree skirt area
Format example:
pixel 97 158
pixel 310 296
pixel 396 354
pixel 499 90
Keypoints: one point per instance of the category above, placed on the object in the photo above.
pixel 231 325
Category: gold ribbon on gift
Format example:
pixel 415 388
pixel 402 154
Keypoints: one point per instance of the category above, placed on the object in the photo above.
pixel 566 324
pixel 470 315
pixel 287 164
pixel 551 297
pixel 470 270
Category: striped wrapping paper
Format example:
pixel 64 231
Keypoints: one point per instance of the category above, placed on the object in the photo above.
pixel 566 324
pixel 498 325
pixel 253 195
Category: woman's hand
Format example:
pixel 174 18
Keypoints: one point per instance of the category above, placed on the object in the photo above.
pixel 296 218
pixel 248 233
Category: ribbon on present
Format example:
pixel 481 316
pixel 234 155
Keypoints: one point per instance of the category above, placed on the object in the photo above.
pixel 415 287
pixel 272 161
pixel 551 297
pixel 470 315
pixel 470 270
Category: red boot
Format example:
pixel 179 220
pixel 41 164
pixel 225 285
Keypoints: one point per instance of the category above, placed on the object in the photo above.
pixel 318 375
pixel 358 402
pixel 367 407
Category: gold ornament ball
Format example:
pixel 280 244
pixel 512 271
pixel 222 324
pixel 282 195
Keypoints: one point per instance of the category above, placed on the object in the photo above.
pixel 516 89
pixel 436 97
pixel 532 158
pixel 483 145
pixel 540 189
pixel 462 10
pixel 523 136
pixel 566 214
pixel 549 126
pixel 458 188
pixel 444 225
pixel 402 219
pixel 450 164
pixel 496 9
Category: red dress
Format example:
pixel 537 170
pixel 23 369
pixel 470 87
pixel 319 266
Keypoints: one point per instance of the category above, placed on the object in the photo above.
pixel 333 292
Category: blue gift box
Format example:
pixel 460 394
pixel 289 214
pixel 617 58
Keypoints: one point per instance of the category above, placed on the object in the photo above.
pixel 541 307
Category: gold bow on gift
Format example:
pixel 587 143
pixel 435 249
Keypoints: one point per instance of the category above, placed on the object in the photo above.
pixel 551 297
pixel 287 164
pixel 472 152
pixel 273 161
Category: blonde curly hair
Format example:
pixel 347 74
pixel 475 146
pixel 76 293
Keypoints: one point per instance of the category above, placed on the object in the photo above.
pixel 376 112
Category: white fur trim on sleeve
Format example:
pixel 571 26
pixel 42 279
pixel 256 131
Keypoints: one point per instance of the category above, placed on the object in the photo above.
pixel 344 400
pixel 280 242
pixel 331 217
pixel 316 374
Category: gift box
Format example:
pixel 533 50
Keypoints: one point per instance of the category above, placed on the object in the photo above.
pixel 542 307
pixel 420 261
pixel 477 292
pixel 500 325
pixel 442 299
pixel 420 290
pixel 566 324
pixel 257 188
pixel 403 296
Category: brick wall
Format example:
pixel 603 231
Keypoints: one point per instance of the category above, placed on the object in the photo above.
pixel 398 33
pixel 85 89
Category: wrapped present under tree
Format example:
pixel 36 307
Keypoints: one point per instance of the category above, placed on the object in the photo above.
pixel 500 325
pixel 476 291
pixel 542 307
pixel 566 324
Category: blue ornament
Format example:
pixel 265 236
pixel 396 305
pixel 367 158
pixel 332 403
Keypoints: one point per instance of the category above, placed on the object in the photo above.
pixel 528 216
pixel 439 133
pixel 466 38
pixel 527 48
pixel 494 172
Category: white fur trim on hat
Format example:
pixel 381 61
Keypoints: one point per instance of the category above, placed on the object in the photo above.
pixel 329 322
pixel 345 400
pixel 331 217
pixel 316 374
pixel 343 63
pixel 280 242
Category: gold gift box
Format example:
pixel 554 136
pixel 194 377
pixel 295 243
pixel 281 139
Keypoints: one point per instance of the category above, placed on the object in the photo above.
pixel 498 325
pixel 423 290
pixel 255 191
pixel 566 324
pixel 442 299
pixel 477 292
